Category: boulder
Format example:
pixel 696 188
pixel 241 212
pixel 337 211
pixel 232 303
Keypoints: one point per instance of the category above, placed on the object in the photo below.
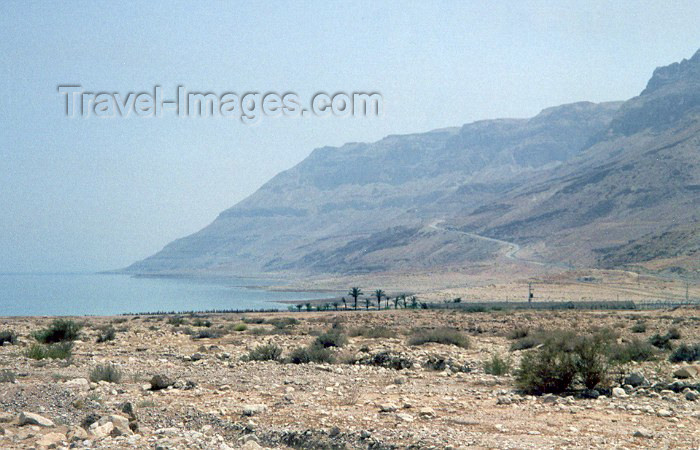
pixel 159 382
pixel 636 379
pixel 691 396
pixel 50 440
pixel 76 434
pixel 101 431
pixel 427 413
pixel 643 433
pixel 686 372
pixel 251 410
pixel 619 392
pixel 27 418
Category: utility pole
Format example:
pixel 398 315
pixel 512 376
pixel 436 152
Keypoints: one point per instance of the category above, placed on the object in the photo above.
pixel 529 293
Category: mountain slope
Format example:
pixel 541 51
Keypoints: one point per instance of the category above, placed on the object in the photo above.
pixel 577 185
pixel 638 184
pixel 328 212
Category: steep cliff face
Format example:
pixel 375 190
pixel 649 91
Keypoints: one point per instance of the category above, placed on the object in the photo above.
pixel 320 214
pixel 577 184
pixel 636 186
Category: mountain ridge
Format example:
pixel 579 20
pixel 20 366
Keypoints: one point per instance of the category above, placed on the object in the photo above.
pixel 541 181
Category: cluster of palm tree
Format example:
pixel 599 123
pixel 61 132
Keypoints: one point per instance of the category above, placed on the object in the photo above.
pixel 369 301
pixel 377 296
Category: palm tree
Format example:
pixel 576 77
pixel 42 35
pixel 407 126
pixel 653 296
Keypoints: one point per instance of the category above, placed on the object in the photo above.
pixel 299 306
pixel 308 307
pixel 379 294
pixel 367 303
pixel 345 302
pixel 335 305
pixel 414 302
pixel 396 302
pixel 355 293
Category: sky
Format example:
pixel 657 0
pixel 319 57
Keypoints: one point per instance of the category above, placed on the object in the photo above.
pixel 91 194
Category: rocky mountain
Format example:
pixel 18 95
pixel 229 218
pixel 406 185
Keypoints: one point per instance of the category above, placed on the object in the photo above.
pixel 574 184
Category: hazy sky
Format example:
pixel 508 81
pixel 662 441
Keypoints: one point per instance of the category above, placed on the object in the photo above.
pixel 94 194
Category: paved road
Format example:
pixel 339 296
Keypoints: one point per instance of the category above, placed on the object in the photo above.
pixel 511 253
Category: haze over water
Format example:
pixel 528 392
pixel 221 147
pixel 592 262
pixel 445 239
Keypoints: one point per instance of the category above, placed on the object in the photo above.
pixel 97 294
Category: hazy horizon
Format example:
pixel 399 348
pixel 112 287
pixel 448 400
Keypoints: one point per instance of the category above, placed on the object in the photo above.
pixel 84 195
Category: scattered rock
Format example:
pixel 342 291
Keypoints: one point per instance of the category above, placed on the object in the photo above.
pixel 387 407
pixel 691 396
pixel 550 398
pixel 51 439
pixel 76 434
pixel 27 418
pixel 636 379
pixel 427 413
pixel 251 410
pixel 686 372
pixel 101 431
pixel 159 382
pixel 619 392
pixel 643 433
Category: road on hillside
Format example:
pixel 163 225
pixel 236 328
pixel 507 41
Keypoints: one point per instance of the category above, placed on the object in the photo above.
pixel 511 253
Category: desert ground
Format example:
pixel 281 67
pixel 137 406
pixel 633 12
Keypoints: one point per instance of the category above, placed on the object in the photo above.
pixel 189 382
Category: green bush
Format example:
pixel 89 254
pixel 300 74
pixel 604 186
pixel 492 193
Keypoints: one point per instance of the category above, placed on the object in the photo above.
pixel 106 372
pixel 674 334
pixel 662 342
pixel 201 323
pixel 8 336
pixel 563 360
pixel 524 343
pixel 269 352
pixel 447 336
pixel 240 327
pixel 313 353
pixel 177 321
pixel 497 365
pixel 518 333
pixel 283 322
pixel 206 334
pixel 61 350
pixel 253 320
pixel 106 334
pixel 332 338
pixel 60 330
pixel 7 376
pixel 635 350
pixel 592 360
pixel 372 332
pixel 686 353
pixel 639 327
pixel 548 370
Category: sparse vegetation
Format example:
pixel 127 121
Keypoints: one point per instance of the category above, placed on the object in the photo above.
pixel 240 327
pixel 60 350
pixel 60 330
pixel 106 334
pixel 268 352
pixel 7 376
pixel 686 353
pixel 635 350
pixel 177 321
pixel 498 365
pixel 332 338
pixel 372 332
pixel 313 353
pixel 8 336
pixel 207 333
pixel 639 327
pixel 447 336
pixel 105 372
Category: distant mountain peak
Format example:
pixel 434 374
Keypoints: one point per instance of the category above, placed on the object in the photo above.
pixel 686 70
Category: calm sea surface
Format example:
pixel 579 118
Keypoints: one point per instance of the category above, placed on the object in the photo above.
pixel 95 294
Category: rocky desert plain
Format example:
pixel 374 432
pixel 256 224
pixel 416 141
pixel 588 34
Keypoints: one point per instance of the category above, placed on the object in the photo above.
pixel 198 381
